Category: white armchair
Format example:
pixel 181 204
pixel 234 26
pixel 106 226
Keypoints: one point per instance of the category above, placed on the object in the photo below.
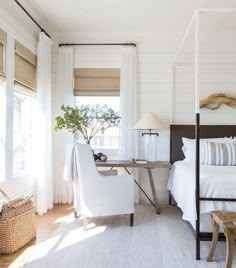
pixel 100 195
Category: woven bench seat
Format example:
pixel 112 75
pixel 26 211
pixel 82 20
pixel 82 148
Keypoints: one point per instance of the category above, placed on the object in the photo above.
pixel 226 220
pixel 223 217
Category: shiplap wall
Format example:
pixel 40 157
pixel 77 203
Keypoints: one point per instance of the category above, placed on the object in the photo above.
pixel 155 55
pixel 217 75
pixel 216 79
pixel 154 91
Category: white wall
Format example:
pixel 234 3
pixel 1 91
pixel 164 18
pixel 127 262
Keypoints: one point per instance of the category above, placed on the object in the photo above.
pixel 214 79
pixel 155 55
pixel 14 21
pixel 154 84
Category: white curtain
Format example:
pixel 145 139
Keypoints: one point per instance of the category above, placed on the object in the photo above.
pixel 63 94
pixel 128 107
pixel 42 128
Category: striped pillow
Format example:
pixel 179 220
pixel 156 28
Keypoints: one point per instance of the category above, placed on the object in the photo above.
pixel 220 154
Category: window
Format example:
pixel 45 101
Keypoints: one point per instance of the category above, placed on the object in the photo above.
pixel 22 129
pixel 99 86
pixel 25 88
pixel 110 139
pixel 2 129
pixel 15 131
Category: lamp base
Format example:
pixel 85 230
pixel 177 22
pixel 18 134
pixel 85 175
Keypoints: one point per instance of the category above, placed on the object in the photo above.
pixel 150 148
pixel 150 133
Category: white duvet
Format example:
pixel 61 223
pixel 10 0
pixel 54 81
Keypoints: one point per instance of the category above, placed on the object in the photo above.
pixel 215 181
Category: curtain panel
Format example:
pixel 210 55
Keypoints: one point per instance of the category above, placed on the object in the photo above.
pixel 128 102
pixel 63 94
pixel 42 129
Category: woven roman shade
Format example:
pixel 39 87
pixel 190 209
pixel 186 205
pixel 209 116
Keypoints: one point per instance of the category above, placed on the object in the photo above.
pixel 3 43
pixel 97 82
pixel 25 67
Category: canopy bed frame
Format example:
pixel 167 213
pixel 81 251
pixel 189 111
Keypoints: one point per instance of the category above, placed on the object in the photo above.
pixel 196 131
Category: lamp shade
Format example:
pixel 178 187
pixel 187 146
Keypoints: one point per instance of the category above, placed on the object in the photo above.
pixel 149 121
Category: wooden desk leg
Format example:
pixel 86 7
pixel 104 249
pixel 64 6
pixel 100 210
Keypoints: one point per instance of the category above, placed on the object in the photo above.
pixel 154 194
pixel 140 188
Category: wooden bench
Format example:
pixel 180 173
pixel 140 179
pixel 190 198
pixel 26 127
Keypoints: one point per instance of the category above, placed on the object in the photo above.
pixel 226 220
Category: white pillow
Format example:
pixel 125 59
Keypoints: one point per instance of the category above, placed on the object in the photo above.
pixel 220 154
pixel 189 150
pixel 184 149
pixel 189 147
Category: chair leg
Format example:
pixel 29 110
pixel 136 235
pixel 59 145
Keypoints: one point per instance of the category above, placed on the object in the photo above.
pixel 131 219
pixel 75 214
pixel 86 220
pixel 214 241
pixel 229 249
pixel 170 198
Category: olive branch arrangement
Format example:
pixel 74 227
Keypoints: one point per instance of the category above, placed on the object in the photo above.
pixel 87 120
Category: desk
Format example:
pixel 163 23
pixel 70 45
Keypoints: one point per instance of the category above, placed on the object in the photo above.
pixel 148 166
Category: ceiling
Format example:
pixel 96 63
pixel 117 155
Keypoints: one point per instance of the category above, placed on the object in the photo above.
pixel 131 16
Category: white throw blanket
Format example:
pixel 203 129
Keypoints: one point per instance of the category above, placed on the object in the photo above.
pixel 70 173
pixel 70 165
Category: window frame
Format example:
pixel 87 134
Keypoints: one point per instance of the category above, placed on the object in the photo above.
pixel 110 151
pixel 25 172
pixel 9 58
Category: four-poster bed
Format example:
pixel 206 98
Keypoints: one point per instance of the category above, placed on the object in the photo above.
pixel 197 131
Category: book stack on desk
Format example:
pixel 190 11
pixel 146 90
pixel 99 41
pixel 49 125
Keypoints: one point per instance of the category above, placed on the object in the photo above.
pixel 139 161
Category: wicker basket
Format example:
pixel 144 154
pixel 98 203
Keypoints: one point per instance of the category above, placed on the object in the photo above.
pixel 17 224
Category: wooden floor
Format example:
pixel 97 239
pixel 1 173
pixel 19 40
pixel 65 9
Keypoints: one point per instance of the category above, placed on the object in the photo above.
pixel 46 225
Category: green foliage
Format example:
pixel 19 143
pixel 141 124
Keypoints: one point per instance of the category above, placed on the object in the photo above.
pixel 87 120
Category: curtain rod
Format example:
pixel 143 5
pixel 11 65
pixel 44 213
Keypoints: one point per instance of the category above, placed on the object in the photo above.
pixel 96 44
pixel 28 14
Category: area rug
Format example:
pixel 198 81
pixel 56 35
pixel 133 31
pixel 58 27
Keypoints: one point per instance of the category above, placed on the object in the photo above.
pixel 155 241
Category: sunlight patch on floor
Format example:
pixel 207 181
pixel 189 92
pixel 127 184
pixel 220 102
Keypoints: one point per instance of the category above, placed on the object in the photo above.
pixel 45 247
pixel 65 219
pixel 78 235
pixel 20 261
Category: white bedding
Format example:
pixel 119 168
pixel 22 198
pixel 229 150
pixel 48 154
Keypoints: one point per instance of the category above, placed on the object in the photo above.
pixel 215 181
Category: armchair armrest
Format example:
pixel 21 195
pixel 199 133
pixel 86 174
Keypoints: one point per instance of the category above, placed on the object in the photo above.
pixel 114 186
pixel 126 179
pixel 110 172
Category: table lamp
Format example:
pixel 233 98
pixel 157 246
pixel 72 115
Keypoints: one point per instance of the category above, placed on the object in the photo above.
pixel 150 122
